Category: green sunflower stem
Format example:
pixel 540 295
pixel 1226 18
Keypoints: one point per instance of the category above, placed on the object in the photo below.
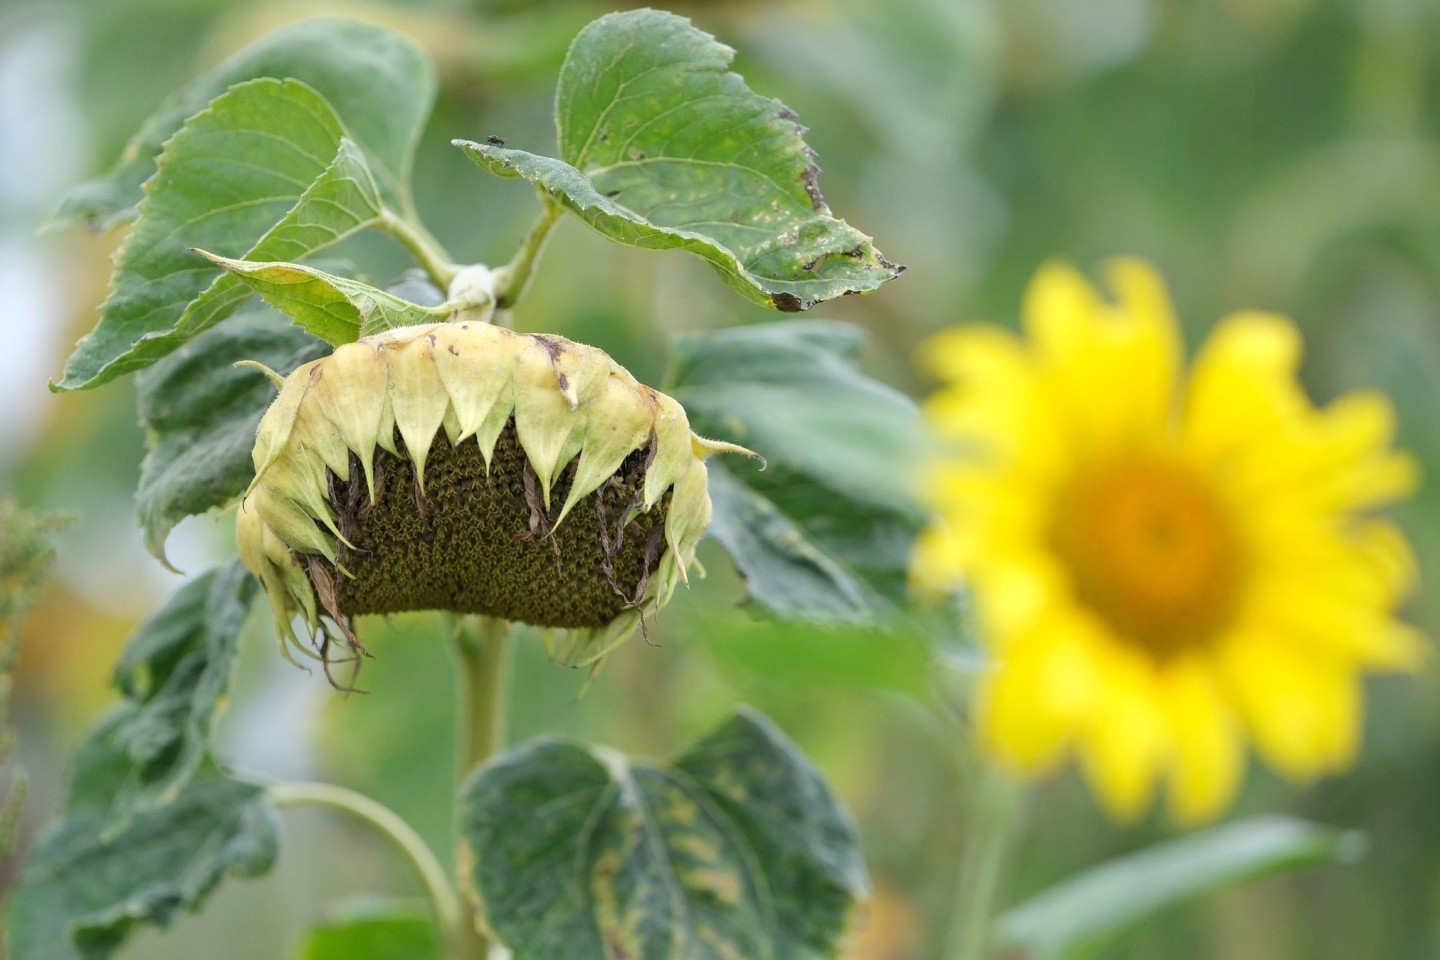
pixel 991 827
pixel 449 911
pixel 511 279
pixel 482 651
pixel 422 246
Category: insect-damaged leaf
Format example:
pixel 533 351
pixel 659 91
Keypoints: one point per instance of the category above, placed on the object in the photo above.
pixel 737 848
pixel 200 413
pixel 663 147
pixel 380 83
pixel 825 531
pixel 265 171
pixel 336 309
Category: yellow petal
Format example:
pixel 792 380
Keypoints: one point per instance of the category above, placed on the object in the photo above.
pixel 1208 760
pixel 1111 368
pixel 1125 740
pixel 1030 705
pixel 1303 710
pixel 1242 386
pixel 1149 343
pixel 935 563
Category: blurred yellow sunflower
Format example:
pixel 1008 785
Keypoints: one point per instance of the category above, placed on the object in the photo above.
pixel 1163 566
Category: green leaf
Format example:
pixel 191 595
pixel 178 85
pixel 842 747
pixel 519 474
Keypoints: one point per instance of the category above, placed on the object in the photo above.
pixel 380 83
pixel 1085 911
pixel 85 889
pixel 824 532
pixel 333 308
pixel 299 187
pixel 663 147
pixel 25 556
pixel 148 826
pixel 371 930
pixel 174 673
pixel 738 848
pixel 201 412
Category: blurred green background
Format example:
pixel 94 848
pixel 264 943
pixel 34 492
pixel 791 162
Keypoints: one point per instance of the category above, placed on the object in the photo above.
pixel 1269 153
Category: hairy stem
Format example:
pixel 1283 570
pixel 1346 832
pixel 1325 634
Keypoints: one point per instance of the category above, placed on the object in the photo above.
pixel 426 250
pixel 482 649
pixel 989 837
pixel 512 278
pixel 449 910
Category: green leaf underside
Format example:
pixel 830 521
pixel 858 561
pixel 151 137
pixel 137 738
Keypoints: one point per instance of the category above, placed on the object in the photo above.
pixel 824 532
pixel 174 672
pixel 335 309
pixel 200 413
pixel 84 890
pixel 662 147
pixel 737 849
pixel 1086 910
pixel 264 171
pixel 373 931
pixel 380 84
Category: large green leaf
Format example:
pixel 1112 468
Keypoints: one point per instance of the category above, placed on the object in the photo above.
pixel 336 309
pixel 148 825
pixel 200 413
pixel 736 849
pixel 380 83
pixel 85 888
pixel 174 672
pixel 1083 912
pixel 369 930
pixel 264 171
pixel 824 532
pixel 661 146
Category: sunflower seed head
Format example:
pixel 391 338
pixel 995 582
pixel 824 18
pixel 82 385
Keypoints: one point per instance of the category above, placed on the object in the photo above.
pixel 466 467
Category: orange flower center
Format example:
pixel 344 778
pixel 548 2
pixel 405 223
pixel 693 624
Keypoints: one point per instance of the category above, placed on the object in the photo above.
pixel 1151 551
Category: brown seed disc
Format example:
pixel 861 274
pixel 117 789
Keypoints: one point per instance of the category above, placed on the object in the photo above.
pixel 478 542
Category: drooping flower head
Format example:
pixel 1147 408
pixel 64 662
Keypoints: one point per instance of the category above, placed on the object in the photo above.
pixel 465 467
pixel 1164 565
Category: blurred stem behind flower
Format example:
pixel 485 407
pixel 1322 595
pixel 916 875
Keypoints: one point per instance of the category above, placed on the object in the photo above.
pixel 1164 566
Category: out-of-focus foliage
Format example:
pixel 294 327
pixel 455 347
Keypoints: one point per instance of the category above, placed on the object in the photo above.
pixel 1269 153
pixel 1087 911
pixel 822 531
pixel 25 554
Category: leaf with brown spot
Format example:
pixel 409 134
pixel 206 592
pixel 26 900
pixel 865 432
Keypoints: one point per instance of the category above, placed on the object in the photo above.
pixel 662 146
pixel 737 850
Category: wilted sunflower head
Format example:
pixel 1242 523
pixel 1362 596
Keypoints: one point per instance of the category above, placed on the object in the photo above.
pixel 465 467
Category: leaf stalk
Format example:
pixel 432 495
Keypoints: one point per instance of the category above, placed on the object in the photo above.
pixel 421 245
pixel 512 279
pixel 449 911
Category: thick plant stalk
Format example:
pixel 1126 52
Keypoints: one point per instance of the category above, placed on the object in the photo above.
pixel 482 651
pixel 989 837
